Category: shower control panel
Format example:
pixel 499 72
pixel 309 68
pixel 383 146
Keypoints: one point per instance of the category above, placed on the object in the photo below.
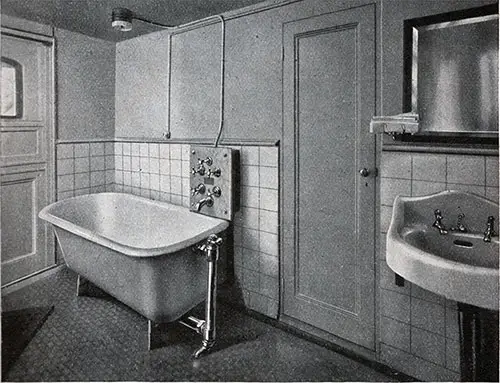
pixel 214 181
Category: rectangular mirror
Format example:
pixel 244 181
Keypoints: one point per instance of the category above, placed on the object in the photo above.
pixel 451 74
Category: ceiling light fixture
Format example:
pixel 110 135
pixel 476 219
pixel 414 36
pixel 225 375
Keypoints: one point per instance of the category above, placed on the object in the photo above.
pixel 121 20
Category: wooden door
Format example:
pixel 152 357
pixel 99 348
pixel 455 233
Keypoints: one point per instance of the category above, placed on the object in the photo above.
pixel 328 206
pixel 26 154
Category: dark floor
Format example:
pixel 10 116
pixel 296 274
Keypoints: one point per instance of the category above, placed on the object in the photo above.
pixel 99 339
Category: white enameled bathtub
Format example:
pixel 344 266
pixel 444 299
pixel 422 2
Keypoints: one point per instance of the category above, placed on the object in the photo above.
pixel 138 250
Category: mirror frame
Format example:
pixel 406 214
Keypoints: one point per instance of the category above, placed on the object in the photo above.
pixel 468 139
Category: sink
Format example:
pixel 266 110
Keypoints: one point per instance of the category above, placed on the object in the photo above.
pixel 460 266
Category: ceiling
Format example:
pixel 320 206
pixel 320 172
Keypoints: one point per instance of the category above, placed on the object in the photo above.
pixel 93 17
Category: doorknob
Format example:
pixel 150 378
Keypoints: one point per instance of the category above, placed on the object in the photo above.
pixel 364 172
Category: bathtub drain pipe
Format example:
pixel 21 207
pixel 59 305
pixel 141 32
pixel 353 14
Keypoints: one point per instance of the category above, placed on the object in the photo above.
pixel 207 327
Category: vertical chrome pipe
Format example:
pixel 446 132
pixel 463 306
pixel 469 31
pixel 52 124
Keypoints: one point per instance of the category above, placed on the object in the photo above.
pixel 212 253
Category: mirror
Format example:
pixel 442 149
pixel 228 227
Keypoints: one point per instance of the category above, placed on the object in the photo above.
pixel 11 84
pixel 451 73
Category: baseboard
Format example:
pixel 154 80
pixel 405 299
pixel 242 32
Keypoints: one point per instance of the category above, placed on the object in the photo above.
pixel 21 283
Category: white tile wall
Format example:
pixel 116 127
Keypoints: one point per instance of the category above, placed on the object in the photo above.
pixel 84 168
pixel 419 329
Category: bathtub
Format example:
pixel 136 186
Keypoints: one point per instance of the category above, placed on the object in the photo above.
pixel 137 250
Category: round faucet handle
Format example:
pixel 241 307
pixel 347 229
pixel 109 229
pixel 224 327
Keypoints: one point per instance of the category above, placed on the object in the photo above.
pixel 214 239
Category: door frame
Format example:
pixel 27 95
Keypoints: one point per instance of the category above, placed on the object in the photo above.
pixel 288 210
pixel 51 132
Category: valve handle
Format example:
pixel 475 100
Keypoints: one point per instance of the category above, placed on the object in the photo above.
pixel 213 239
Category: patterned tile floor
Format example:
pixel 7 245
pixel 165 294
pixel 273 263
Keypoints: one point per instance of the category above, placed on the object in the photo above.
pixel 100 339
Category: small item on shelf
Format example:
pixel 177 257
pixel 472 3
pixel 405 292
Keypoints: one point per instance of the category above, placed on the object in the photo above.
pixel 397 124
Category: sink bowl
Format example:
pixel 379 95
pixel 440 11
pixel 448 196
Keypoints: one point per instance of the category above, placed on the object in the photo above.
pixel 460 266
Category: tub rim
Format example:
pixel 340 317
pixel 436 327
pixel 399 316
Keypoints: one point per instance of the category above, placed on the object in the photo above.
pixel 134 251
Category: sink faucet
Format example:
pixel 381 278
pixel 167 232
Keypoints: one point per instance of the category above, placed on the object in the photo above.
pixel 490 232
pixel 209 201
pixel 438 222
pixel 460 226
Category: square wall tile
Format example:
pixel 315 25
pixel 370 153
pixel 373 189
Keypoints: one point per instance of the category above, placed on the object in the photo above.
pixel 268 221
pixel 97 178
pixel 126 162
pixel 144 149
pixel 176 151
pixel 385 218
pixel 250 176
pixel 268 177
pixel 65 182
pixel 164 166
pixel 269 286
pixel 469 170
pixel 268 156
pixel 119 148
pixel 82 180
pixel 269 243
pixel 250 218
pixel 164 151
pixel 97 163
pixel 154 150
pixel 176 168
pixel 428 316
pixel 250 238
pixel 395 305
pixel 82 150
pixel 65 151
pixel 395 165
pixel 144 164
pixel 429 167
pixel 249 155
pixel 269 199
pixel 492 193
pixel 395 333
pixel 127 148
pixel 428 346
pixel 251 280
pixel 65 166
pixel 82 164
pixel 390 188
pixel 251 259
pixel 269 264
pixel 250 196
pixel 97 148
pixel 186 152
pixel 109 149
pixel 176 185
pixel 135 148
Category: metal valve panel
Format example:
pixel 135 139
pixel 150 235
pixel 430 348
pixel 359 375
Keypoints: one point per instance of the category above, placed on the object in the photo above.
pixel 218 170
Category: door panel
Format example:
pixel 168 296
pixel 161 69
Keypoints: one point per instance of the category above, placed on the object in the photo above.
pixel 329 98
pixel 27 163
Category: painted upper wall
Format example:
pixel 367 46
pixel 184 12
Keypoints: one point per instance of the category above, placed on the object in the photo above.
pixel 253 71
pixel 142 86
pixel 85 86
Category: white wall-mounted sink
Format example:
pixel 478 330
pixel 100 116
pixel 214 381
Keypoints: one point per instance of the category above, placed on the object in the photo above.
pixel 460 266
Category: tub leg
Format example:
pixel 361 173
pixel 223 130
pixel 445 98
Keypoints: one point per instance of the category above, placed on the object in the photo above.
pixel 82 286
pixel 154 335
pixel 212 253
